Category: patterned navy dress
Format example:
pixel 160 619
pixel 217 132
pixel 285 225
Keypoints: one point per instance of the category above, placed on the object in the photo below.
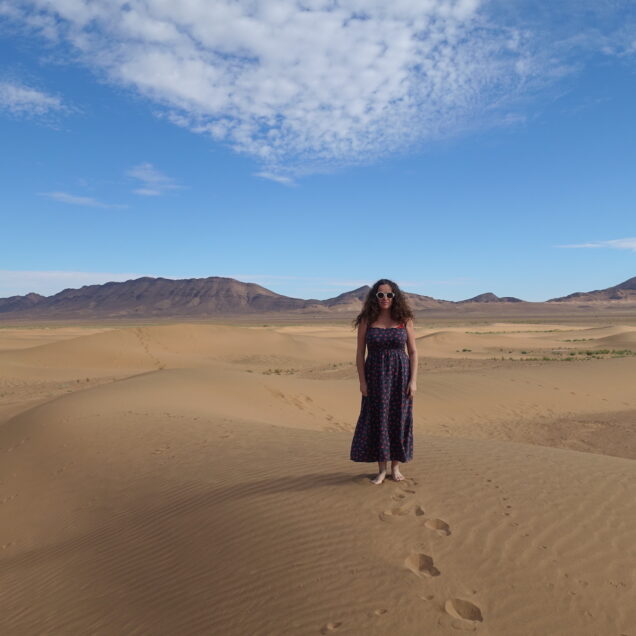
pixel 385 426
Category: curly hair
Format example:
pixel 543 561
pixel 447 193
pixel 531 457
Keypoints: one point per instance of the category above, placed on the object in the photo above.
pixel 400 310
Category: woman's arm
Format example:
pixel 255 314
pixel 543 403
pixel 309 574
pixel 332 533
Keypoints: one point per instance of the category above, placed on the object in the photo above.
pixel 362 332
pixel 412 351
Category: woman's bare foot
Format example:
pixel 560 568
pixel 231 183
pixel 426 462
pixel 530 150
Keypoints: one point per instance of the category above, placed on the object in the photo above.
pixel 396 474
pixel 380 478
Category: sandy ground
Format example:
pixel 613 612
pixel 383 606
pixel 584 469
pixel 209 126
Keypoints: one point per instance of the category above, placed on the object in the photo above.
pixel 195 479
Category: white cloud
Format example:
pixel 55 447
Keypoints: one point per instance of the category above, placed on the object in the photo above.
pixel 300 84
pixel 618 244
pixel 22 100
pixel 21 282
pixel 64 197
pixel 154 183
pixel 278 178
pixel 306 85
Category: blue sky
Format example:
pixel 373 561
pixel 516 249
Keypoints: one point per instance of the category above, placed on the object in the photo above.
pixel 456 147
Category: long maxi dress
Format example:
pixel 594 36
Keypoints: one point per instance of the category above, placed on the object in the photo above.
pixel 384 430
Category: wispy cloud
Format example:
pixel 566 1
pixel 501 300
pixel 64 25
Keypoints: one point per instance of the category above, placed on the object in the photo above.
pixel 617 244
pixel 278 178
pixel 153 182
pixel 307 86
pixel 302 85
pixel 22 100
pixel 20 282
pixel 65 197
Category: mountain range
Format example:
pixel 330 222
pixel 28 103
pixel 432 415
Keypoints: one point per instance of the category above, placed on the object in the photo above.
pixel 198 297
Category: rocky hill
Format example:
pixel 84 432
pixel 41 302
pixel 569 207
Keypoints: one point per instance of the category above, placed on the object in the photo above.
pixel 149 297
pixel 195 297
pixel 623 291
pixel 489 297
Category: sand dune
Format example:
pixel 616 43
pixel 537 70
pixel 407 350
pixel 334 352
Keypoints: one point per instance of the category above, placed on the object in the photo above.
pixel 200 483
pixel 21 338
pixel 172 346
pixel 625 340
pixel 486 342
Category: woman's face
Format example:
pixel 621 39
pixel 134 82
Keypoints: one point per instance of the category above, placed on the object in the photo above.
pixel 385 303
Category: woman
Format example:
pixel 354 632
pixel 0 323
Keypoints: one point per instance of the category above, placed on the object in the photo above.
pixel 388 377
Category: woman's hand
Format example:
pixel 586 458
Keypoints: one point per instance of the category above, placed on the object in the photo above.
pixel 411 390
pixel 363 388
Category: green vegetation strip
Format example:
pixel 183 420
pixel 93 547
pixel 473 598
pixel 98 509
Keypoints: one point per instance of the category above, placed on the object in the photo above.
pixel 599 354
pixel 481 333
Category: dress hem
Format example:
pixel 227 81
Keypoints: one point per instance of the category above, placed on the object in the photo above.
pixel 372 461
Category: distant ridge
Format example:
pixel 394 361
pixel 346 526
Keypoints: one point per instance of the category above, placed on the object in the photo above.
pixel 623 291
pixel 149 297
pixel 489 297
pixel 17 303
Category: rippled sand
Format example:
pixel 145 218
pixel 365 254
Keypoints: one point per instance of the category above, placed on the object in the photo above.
pixel 194 478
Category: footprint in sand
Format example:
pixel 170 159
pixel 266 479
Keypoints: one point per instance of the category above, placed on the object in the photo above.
pixel 467 613
pixel 401 511
pixel 421 564
pixel 439 526
pixel 395 512
pixel 330 627
pixel 379 611
pixel 403 494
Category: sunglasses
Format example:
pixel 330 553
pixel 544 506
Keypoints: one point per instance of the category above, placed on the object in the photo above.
pixel 383 294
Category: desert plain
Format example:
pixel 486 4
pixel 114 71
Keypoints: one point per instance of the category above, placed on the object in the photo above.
pixel 194 478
